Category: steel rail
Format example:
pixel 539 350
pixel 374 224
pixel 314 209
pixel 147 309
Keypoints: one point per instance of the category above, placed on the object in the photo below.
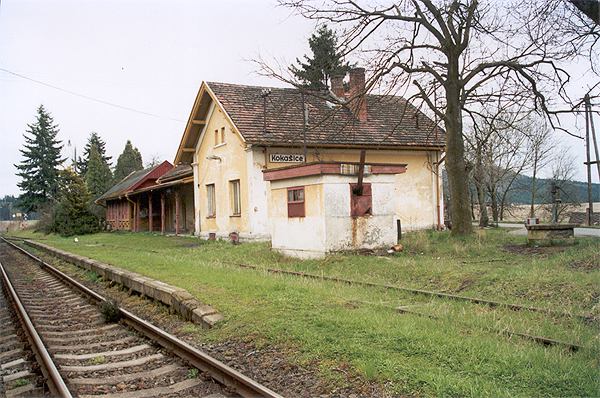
pixel 54 380
pixel 219 371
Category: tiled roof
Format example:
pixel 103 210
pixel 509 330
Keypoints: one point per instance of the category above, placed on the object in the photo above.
pixel 391 121
pixel 133 180
pixel 125 184
pixel 177 172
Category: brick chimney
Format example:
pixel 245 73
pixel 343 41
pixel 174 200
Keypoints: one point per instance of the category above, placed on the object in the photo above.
pixel 356 94
pixel 337 85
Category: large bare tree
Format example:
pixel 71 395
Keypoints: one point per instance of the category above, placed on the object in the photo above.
pixel 456 55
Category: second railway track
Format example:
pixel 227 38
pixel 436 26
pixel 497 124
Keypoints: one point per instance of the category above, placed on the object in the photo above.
pixel 110 359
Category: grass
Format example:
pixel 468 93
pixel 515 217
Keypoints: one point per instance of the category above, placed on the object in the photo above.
pixel 337 327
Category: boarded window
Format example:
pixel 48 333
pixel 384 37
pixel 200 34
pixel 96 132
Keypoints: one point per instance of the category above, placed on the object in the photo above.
pixel 211 201
pixel 295 199
pixel 234 194
pixel 361 205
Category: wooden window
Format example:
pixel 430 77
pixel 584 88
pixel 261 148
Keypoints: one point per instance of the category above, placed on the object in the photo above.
pixel 220 136
pixel 361 205
pixel 235 196
pixel 295 202
pixel 211 200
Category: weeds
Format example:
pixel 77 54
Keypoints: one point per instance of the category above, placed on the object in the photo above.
pixel 20 382
pixel 93 277
pixel 110 311
pixel 98 360
pixel 192 373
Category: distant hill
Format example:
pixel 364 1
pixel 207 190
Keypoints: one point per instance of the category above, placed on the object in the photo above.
pixel 521 192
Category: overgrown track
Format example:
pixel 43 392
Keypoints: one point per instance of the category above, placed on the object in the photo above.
pixel 96 358
pixel 430 293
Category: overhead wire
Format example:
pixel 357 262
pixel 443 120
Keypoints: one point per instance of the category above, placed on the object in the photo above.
pixel 89 98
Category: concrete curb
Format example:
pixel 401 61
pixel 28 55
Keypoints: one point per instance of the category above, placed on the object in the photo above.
pixel 180 300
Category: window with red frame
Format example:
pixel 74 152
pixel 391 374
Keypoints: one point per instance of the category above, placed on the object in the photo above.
pixel 295 202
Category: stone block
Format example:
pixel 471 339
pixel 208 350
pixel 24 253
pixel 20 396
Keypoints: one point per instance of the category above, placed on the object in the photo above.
pixel 159 291
pixel 211 320
pixel 201 311
pixel 136 282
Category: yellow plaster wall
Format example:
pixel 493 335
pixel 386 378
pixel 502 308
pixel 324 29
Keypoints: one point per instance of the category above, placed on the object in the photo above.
pixel 232 166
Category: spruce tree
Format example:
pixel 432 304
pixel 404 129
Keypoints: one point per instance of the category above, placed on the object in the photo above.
pixel 130 160
pixel 98 177
pixel 39 169
pixel 93 140
pixel 326 61
pixel 72 215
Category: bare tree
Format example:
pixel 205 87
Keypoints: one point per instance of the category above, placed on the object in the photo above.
pixel 155 160
pixel 540 145
pixel 563 174
pixel 462 52
pixel 494 148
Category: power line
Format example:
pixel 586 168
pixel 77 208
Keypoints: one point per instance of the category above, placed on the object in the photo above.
pixel 87 97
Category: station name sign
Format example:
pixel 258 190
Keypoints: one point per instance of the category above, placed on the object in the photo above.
pixel 286 158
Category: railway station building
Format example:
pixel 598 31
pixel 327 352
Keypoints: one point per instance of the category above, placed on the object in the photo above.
pixel 281 164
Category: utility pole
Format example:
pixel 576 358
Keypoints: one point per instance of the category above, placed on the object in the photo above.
pixel 590 209
pixel 589 127
pixel 594 139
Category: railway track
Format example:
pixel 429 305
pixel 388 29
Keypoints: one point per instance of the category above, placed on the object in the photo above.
pixel 92 358
pixel 18 367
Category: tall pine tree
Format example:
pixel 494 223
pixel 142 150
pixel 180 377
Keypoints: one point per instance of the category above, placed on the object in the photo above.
pixel 326 61
pixel 39 169
pixel 93 140
pixel 130 160
pixel 98 177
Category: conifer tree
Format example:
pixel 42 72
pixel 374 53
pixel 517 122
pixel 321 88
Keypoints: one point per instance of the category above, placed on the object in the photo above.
pixel 72 215
pixel 326 61
pixel 93 139
pixel 98 177
pixel 130 160
pixel 39 169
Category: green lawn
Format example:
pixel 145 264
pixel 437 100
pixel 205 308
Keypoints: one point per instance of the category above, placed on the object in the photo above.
pixel 463 352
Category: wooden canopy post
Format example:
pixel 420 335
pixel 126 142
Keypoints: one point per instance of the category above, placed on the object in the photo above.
pixel 150 216
pixel 176 212
pixel 162 213
pixel 137 214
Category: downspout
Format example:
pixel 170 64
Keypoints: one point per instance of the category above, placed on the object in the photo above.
pixel 437 189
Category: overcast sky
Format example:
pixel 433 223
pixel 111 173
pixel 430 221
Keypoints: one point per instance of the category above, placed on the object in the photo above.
pixel 147 55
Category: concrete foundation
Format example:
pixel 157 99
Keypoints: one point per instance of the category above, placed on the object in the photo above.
pixel 550 234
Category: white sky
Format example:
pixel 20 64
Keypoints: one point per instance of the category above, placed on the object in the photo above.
pixel 147 55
